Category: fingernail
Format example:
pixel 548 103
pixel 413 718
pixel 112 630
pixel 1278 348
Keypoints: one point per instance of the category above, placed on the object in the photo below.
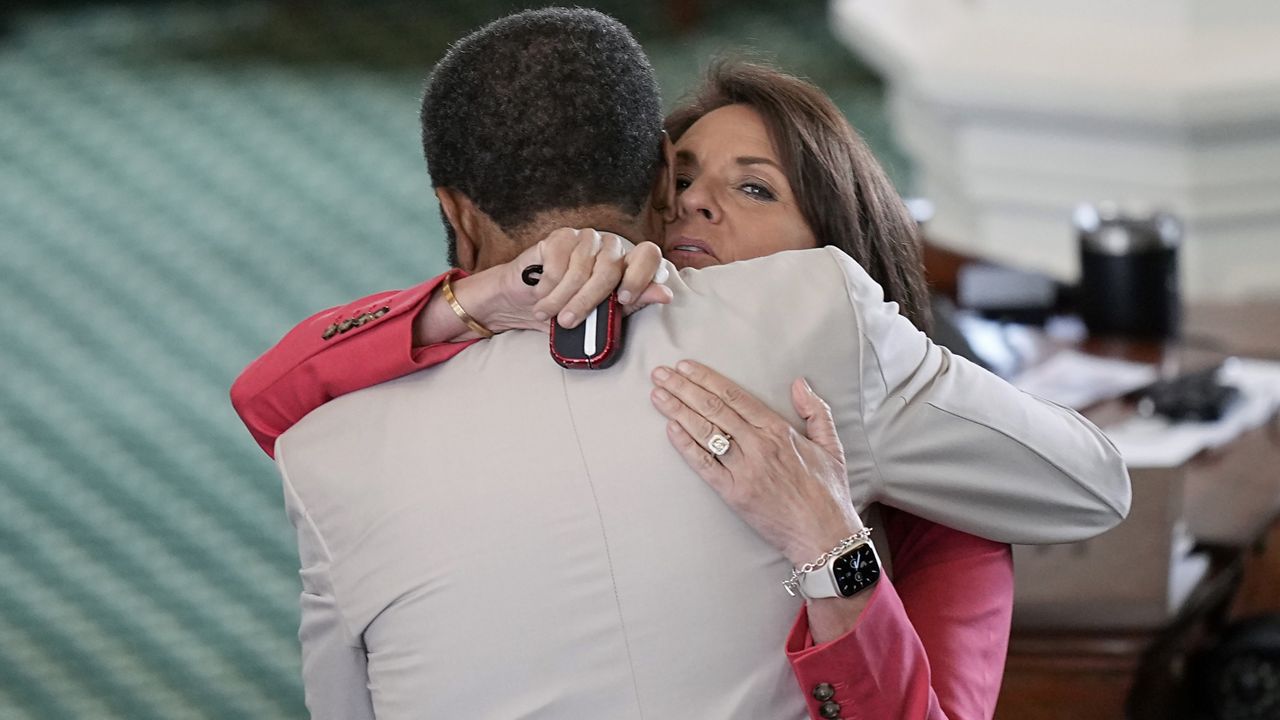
pixel 540 316
pixel 624 296
pixel 662 373
pixel 662 274
pixel 684 366
pixel 661 395
pixel 806 385
pixel 567 318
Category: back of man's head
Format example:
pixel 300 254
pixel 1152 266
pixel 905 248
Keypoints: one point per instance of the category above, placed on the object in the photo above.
pixel 542 111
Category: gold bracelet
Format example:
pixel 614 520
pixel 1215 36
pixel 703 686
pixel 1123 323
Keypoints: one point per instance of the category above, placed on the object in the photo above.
pixel 447 288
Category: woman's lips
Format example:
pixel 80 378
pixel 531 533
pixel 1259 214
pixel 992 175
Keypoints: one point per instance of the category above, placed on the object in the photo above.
pixel 691 252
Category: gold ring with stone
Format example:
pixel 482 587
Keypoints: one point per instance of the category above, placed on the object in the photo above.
pixel 719 444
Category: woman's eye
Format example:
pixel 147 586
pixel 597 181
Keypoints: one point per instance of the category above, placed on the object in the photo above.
pixel 682 183
pixel 758 191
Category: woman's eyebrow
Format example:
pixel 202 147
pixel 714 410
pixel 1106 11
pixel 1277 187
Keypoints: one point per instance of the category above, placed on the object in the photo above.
pixel 748 160
pixel 685 157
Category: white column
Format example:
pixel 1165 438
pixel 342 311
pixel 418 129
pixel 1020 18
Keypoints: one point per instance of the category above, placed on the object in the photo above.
pixel 1014 111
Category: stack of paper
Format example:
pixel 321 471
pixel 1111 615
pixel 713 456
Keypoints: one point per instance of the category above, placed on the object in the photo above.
pixel 1077 380
pixel 1157 442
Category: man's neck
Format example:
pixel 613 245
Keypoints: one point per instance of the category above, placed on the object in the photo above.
pixel 605 218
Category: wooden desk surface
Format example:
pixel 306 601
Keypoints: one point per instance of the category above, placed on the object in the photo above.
pixel 1248 328
pixel 1232 494
pixel 1231 498
pixel 1250 466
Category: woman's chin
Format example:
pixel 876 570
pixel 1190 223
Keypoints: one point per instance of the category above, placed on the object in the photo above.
pixel 686 259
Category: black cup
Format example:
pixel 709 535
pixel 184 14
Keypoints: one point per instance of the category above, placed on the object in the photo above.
pixel 1129 272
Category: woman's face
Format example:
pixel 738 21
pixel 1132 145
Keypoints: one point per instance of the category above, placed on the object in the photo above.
pixel 733 199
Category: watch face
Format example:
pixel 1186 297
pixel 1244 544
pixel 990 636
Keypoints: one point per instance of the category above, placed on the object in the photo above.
pixel 856 570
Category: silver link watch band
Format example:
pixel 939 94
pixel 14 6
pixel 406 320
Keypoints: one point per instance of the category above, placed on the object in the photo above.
pixel 792 584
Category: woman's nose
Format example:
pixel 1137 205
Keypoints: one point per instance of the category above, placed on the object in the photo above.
pixel 696 199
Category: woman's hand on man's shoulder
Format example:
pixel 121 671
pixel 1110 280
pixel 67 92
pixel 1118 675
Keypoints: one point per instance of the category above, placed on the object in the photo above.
pixel 580 268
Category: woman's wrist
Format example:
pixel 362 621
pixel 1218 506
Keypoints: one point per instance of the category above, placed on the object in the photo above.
pixel 819 539
pixel 484 298
pixel 489 302
pixel 829 618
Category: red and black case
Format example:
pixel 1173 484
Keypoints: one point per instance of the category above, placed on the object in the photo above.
pixel 597 341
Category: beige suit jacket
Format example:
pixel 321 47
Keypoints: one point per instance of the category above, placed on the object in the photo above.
pixel 499 538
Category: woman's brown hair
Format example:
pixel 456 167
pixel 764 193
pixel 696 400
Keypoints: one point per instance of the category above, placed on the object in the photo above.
pixel 843 193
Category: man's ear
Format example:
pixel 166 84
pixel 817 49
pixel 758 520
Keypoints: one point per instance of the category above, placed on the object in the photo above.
pixel 460 213
pixel 663 196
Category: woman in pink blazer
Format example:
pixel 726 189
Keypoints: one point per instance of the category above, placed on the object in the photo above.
pixel 928 644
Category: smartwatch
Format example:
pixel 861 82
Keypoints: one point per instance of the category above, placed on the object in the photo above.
pixel 846 575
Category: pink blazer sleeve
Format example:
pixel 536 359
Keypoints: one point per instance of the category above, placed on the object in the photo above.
pixel 334 352
pixel 930 644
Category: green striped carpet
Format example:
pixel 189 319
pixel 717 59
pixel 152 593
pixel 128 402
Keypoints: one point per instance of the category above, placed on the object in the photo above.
pixel 179 184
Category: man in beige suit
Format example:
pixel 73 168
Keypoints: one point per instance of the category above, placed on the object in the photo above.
pixel 499 537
